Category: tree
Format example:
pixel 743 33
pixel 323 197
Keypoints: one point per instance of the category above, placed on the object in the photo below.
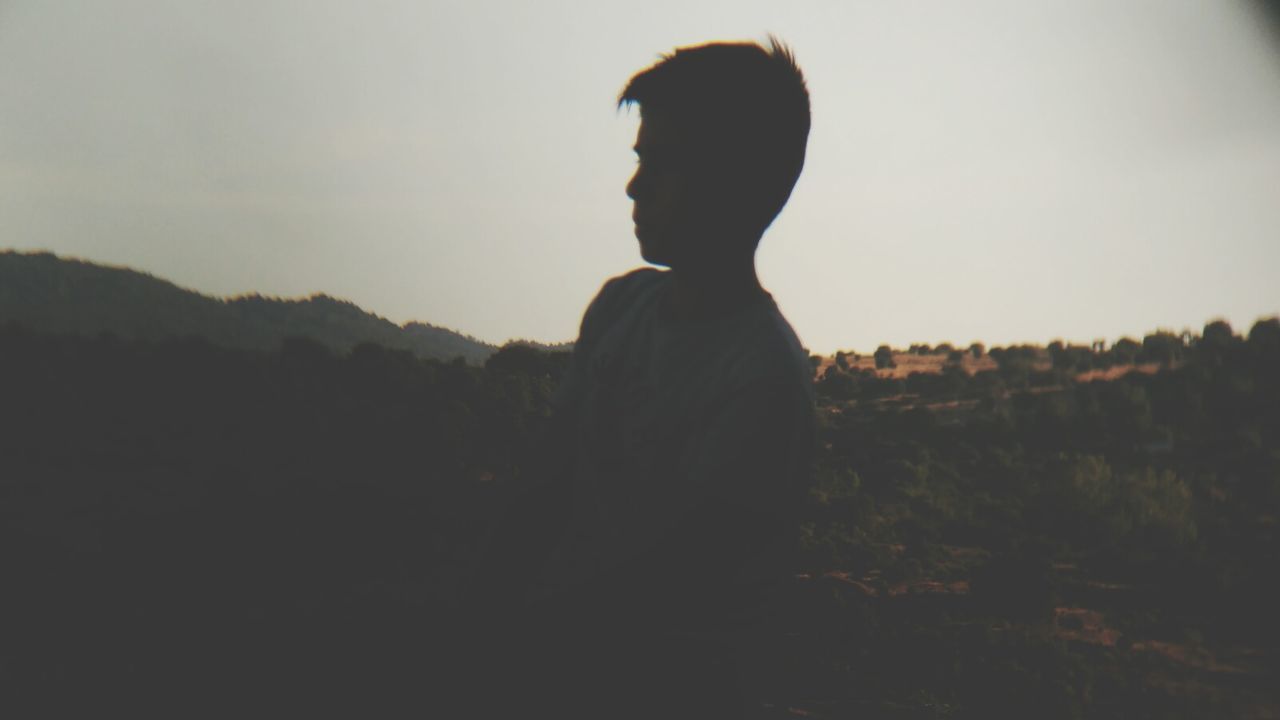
pixel 1125 351
pixel 837 384
pixel 884 357
pixel 1218 333
pixel 519 359
pixel 1075 358
pixel 1264 336
pixel 1014 363
pixel 1057 354
pixel 976 350
pixel 1162 347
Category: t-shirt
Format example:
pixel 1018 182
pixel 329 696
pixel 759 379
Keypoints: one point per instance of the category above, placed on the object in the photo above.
pixel 687 448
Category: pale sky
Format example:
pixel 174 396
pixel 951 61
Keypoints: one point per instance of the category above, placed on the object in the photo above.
pixel 998 171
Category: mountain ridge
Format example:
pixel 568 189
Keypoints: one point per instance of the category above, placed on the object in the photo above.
pixel 49 293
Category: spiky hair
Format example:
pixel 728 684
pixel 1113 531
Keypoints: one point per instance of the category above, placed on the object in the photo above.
pixel 738 102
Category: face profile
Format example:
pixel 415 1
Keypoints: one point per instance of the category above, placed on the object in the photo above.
pixel 660 191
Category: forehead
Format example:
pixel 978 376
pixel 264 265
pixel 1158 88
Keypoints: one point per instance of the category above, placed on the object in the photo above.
pixel 686 139
pixel 658 130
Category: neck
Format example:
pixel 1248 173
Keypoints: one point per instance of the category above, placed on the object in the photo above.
pixel 710 289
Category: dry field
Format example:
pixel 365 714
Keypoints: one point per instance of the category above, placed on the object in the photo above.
pixel 908 363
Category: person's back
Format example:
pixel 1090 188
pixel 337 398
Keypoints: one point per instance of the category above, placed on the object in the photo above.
pixel 683 432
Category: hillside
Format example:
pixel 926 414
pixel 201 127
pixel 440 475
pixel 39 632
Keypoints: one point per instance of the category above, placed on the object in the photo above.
pixel 61 295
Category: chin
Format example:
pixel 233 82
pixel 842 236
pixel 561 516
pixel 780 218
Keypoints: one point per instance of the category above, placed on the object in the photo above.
pixel 653 255
pixel 654 260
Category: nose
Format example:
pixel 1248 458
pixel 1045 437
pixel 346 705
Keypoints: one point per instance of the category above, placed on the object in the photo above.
pixel 633 186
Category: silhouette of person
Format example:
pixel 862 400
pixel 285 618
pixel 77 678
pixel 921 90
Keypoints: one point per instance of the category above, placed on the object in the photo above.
pixel 662 530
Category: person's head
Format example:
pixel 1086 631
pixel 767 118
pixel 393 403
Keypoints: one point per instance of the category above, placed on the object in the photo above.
pixel 723 129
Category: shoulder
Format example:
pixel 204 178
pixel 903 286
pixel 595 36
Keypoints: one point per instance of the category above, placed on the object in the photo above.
pixel 616 296
pixel 769 354
pixel 617 289
pixel 762 374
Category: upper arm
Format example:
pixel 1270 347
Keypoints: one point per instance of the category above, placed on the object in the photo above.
pixel 595 321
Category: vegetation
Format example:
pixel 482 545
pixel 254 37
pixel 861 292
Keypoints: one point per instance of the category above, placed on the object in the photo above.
pixel 1041 540
pixel 1074 532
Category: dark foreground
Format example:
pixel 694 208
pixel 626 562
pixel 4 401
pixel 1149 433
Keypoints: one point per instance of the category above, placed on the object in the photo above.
pixel 192 531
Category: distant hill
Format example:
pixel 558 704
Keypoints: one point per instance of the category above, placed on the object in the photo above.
pixel 44 292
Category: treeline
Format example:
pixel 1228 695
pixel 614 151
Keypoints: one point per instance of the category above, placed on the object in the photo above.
pixel 1161 347
pixel 177 514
